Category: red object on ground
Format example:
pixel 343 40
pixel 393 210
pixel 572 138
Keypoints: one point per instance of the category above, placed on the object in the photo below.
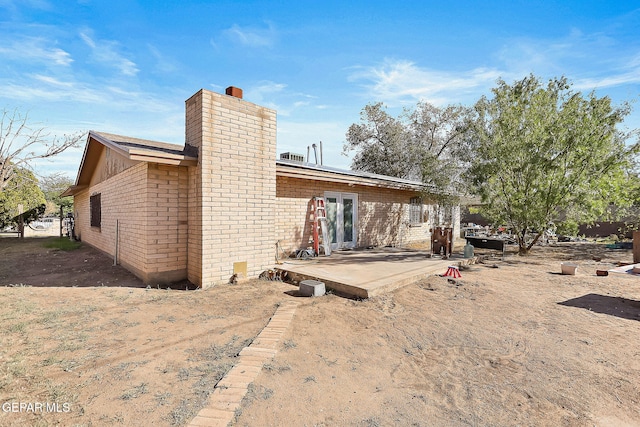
pixel 453 271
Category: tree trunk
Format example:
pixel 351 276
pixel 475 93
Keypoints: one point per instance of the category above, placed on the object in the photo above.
pixel 522 245
pixel 535 239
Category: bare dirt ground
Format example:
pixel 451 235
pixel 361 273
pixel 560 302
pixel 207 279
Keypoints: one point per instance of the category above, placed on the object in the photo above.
pixel 515 345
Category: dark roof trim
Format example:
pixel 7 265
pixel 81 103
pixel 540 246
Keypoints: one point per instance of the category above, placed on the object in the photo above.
pixel 145 150
pixel 135 149
pixel 326 173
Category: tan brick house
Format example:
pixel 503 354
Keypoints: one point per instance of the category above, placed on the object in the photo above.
pixel 217 205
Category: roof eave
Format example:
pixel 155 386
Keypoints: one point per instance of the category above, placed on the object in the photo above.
pixel 108 143
pixel 330 176
pixel 73 190
pixel 168 159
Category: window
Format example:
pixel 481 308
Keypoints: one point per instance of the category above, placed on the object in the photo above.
pixel 415 211
pixel 95 207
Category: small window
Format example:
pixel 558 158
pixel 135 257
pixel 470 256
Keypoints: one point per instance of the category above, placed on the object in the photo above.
pixel 415 211
pixel 95 207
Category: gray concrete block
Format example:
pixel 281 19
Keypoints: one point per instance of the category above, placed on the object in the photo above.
pixel 312 288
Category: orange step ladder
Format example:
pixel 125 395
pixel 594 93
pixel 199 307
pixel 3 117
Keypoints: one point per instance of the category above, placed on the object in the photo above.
pixel 320 220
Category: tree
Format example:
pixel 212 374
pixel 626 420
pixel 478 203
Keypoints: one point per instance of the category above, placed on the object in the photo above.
pixel 549 154
pixel 21 190
pixel 429 144
pixel 52 186
pixel 383 144
pixel 443 146
pixel 20 144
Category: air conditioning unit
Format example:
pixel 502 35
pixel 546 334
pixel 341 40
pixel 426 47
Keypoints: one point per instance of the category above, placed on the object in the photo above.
pixel 292 156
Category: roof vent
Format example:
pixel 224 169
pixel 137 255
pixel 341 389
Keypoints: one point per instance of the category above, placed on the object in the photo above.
pixel 234 91
pixel 292 156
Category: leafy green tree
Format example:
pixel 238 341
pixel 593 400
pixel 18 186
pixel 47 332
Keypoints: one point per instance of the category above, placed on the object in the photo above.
pixel 428 144
pixel 21 190
pixel 383 144
pixel 52 186
pixel 443 146
pixel 549 154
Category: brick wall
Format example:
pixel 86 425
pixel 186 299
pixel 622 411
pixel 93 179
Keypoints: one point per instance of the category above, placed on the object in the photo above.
pixel 166 225
pixel 383 214
pixel 232 190
pixel 122 198
pixel 149 202
pixel 193 138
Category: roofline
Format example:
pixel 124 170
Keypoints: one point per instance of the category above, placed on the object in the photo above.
pixel 132 153
pixel 285 168
pixel 324 173
pixel 108 143
pixel 146 155
pixel 73 190
pixel 84 156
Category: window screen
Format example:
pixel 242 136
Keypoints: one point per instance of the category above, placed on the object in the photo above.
pixel 96 210
pixel 415 211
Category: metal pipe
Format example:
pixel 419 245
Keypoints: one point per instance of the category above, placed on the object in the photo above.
pixel 115 255
pixel 308 153
pixel 321 153
pixel 315 152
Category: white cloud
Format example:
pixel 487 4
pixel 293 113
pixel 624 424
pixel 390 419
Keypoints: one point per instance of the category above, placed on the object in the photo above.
pixel 590 61
pixel 30 92
pixel 39 88
pixel 277 96
pixel 626 73
pixel 265 93
pixel 106 52
pixel 163 63
pixel 252 37
pixel 399 82
pixel 52 81
pixel 35 49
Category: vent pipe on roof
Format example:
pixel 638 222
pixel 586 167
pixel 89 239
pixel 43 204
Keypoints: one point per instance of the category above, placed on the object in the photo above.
pixel 308 154
pixel 315 152
pixel 234 91
pixel 321 153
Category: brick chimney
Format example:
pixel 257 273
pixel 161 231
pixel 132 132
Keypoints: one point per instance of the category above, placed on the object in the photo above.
pixel 231 226
pixel 234 91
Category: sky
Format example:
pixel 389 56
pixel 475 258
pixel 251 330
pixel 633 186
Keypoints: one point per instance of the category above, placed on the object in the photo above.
pixel 127 66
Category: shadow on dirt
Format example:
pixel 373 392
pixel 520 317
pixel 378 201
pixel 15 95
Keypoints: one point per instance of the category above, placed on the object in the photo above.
pixel 27 262
pixel 613 306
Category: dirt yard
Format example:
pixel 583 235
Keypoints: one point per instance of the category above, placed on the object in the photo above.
pixel 510 343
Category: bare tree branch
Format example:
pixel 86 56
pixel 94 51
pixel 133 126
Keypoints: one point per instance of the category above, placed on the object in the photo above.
pixel 20 144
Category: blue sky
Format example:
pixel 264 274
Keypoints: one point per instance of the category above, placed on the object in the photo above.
pixel 126 66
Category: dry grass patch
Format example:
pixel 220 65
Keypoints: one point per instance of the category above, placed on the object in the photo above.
pixel 122 356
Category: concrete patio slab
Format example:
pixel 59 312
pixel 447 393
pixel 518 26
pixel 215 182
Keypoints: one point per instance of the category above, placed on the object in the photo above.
pixel 368 272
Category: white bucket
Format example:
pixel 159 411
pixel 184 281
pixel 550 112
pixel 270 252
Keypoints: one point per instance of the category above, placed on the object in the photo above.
pixel 569 268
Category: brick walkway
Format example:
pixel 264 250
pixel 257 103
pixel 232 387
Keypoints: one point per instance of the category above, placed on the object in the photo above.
pixel 230 390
